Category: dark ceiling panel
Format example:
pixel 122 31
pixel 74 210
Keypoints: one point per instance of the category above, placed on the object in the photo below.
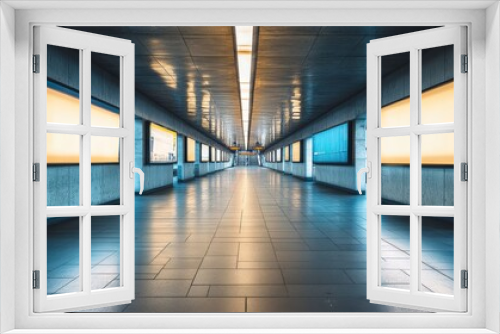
pixel 303 72
pixel 190 71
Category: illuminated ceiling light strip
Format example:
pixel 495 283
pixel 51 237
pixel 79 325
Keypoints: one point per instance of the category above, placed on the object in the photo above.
pixel 244 43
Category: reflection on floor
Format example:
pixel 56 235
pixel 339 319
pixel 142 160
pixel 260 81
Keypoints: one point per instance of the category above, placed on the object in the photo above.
pixel 251 240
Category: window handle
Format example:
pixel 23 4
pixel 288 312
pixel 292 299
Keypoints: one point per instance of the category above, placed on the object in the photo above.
pixel 135 170
pixel 368 171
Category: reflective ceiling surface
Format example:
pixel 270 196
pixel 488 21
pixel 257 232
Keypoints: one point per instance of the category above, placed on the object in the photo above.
pixel 190 71
pixel 300 74
pixel 304 72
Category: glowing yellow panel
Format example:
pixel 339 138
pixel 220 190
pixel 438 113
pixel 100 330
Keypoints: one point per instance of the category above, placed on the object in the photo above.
pixel 395 150
pixel 437 149
pixel 396 114
pixel 62 108
pixel 438 104
pixel 190 150
pixel 212 154
pixel 437 107
pixel 103 118
pixel 162 144
pixel 287 153
pixel 105 149
pixel 205 153
pixel 297 151
pixel 63 148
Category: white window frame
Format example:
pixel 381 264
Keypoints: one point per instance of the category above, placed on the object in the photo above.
pixel 86 44
pixel 483 311
pixel 413 44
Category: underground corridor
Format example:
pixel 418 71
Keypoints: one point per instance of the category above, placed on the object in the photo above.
pixel 250 140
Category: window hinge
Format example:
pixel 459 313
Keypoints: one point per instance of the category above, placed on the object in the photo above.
pixel 464 171
pixel 465 279
pixel 36 279
pixel 36 172
pixel 36 63
pixel 465 63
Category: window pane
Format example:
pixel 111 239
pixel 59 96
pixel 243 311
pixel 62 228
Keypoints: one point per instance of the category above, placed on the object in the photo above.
pixel 105 251
pixel 437 169
pixel 395 252
pixel 63 255
pixel 437 104
pixel 395 103
pixel 395 170
pixel 437 255
pixel 63 169
pixel 63 85
pixel 105 183
pixel 105 109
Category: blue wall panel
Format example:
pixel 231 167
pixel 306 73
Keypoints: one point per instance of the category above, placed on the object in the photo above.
pixel 332 146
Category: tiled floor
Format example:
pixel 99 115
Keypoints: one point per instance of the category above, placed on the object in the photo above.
pixel 252 240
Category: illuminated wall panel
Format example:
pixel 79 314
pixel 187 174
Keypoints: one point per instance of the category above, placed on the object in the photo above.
pixel 162 144
pixel 213 154
pixel 65 108
pixel 297 151
pixel 436 107
pixel 190 150
pixel 332 146
pixel 279 155
pixel 205 153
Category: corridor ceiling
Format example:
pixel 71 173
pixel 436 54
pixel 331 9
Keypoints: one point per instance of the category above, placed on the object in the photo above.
pixel 301 73
pixel 190 71
pixel 304 72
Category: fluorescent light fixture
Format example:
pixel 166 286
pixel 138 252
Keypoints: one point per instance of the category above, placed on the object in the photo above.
pixel 244 43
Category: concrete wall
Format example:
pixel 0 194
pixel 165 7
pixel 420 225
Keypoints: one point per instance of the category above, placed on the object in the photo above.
pixel 158 175
pixel 346 176
pixel 438 69
pixel 437 185
pixel 287 167
pixel 185 170
pixel 105 87
pixel 204 168
pixel 298 169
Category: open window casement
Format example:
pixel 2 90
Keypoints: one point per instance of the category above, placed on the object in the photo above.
pixel 416 125
pixel 73 132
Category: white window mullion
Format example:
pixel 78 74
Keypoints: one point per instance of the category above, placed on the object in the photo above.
pixel 414 170
pixel 127 226
pixel 372 186
pixel 85 245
